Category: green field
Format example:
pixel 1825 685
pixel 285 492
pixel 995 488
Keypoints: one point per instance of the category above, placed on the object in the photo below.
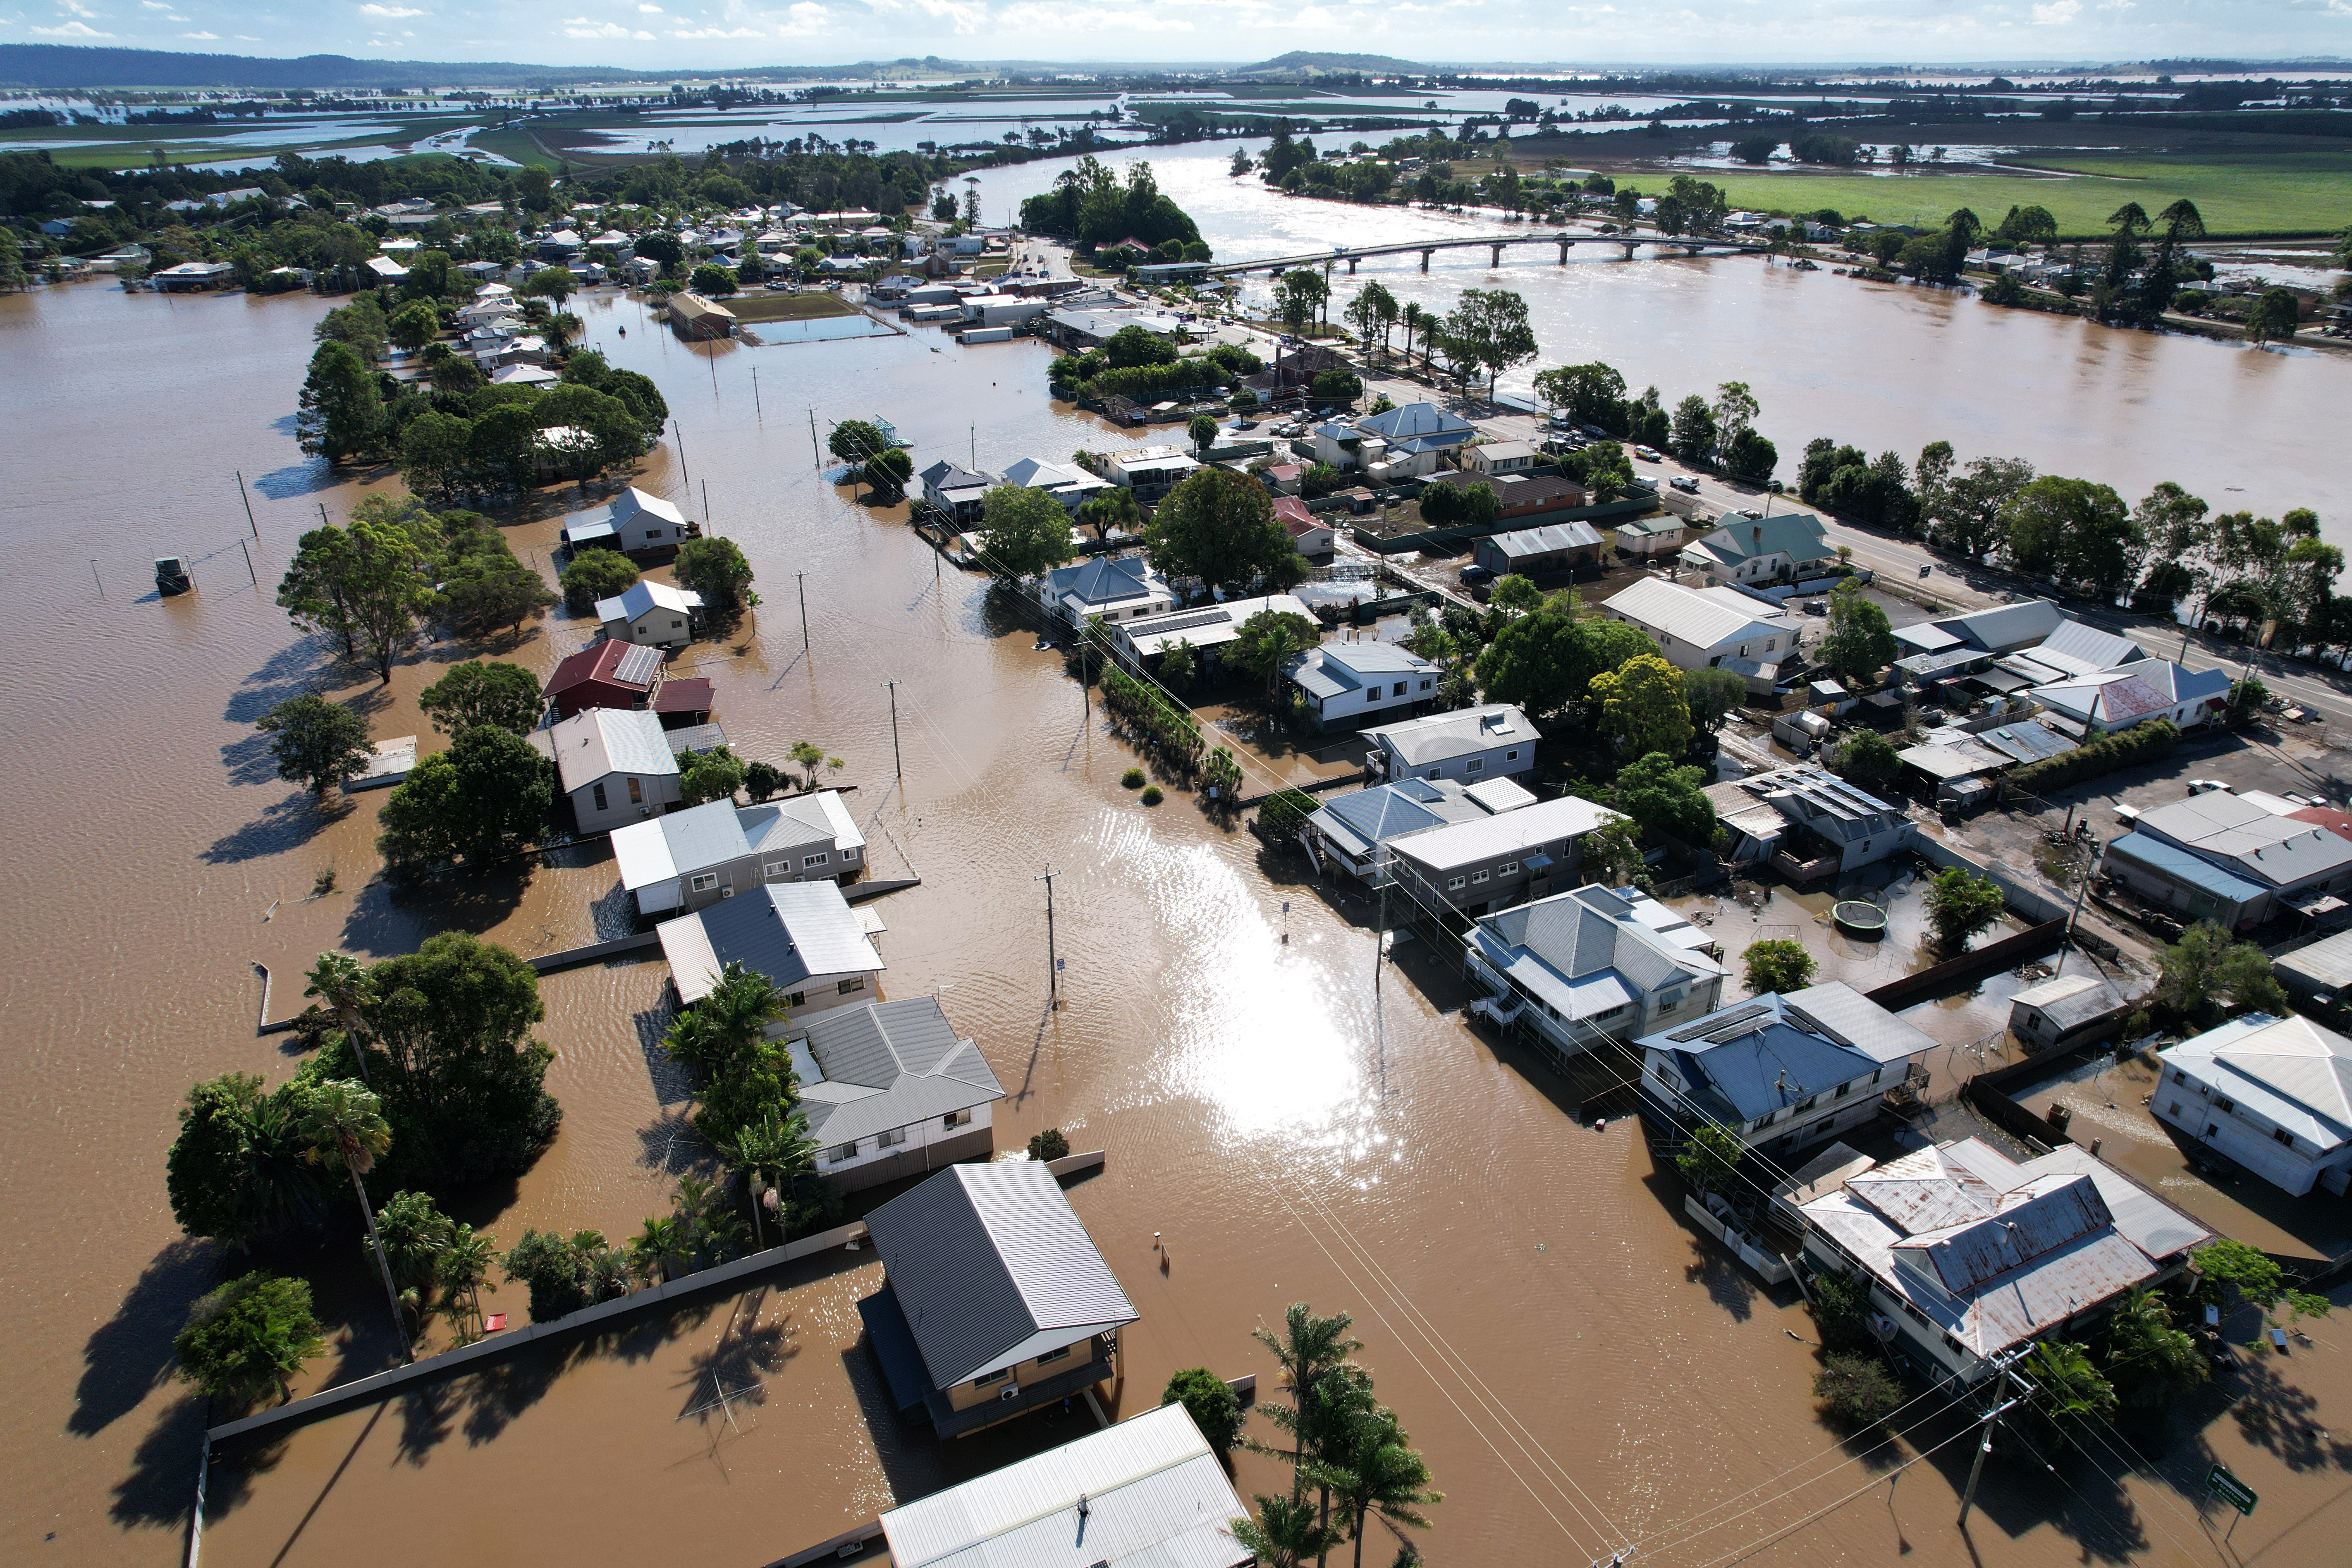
pixel 2270 194
pixel 806 306
pixel 132 146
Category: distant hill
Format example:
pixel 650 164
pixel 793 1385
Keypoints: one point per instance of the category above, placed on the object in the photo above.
pixel 1308 62
pixel 62 68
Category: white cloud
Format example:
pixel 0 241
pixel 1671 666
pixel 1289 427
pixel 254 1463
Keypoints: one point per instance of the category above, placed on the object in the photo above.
pixel 372 10
pixel 72 30
pixel 649 10
pixel 77 9
pixel 153 5
pixel 719 33
pixel 2056 13
pixel 200 35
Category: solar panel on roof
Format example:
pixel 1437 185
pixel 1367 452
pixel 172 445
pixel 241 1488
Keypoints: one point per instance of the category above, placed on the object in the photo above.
pixel 637 666
pixel 1709 1025
pixel 1181 623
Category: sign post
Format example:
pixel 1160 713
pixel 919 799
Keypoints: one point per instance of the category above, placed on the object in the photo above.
pixel 2220 1483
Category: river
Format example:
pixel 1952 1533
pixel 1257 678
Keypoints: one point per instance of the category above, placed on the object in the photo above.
pixel 1291 1137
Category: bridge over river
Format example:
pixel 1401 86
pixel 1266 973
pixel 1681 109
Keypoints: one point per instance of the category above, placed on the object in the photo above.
pixel 1493 244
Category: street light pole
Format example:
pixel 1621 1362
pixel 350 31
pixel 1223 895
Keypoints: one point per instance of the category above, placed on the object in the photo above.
pixel 1053 964
pixel 898 762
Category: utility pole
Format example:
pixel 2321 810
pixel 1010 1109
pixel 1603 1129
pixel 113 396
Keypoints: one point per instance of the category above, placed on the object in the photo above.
pixel 1052 965
pixel 680 437
pixel 761 414
pixel 322 516
pixel 1992 1418
pixel 896 761
pixel 802 579
pixel 816 453
pixel 1380 961
pixel 706 509
pixel 248 504
pixel 972 434
pixel 248 563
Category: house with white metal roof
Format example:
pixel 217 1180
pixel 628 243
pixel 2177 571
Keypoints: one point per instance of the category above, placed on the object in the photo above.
pixel 1824 823
pixel 1207 627
pixel 653 615
pixel 1469 745
pixel 1532 552
pixel 1707 628
pixel 958 492
pixel 2271 1095
pixel 2067 1010
pixel 2295 864
pixel 2004 628
pixel 994 1300
pixel 614 765
pixel 1353 832
pixel 1491 863
pixel 1147 1493
pixel 689 858
pixel 1592 964
pixel 1066 483
pixel 1969 1253
pixel 803 936
pixel 1149 471
pixel 1110 587
pixel 1765 549
pixel 1343 684
pixel 889 1089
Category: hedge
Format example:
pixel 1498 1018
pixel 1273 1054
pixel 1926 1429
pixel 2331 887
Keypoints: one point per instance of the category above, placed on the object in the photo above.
pixel 1280 815
pixel 2140 743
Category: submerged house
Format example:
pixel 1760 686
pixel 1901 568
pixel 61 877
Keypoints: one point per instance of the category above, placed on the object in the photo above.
pixel 1470 745
pixel 1596 963
pixel 995 1299
pixel 696 857
pixel 614 765
pixel 653 615
pixel 889 1089
pixel 1353 832
pixel 1343 684
pixel 1113 588
pixel 2272 1096
pixel 636 524
pixel 803 936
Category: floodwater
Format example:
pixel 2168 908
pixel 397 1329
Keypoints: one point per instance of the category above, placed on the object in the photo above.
pixel 1881 365
pixel 1294 1126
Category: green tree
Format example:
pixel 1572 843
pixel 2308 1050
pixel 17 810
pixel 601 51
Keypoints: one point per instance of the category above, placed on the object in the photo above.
pixel 2206 972
pixel 1959 905
pixel 12 262
pixel 503 696
pixel 235 1172
pixel 1976 503
pixel 1269 641
pixel 436 453
pixel 595 574
pixel 1214 1407
pixel 1710 1158
pixel 1490 328
pixel 856 441
pixel 1203 430
pixel 1776 966
pixel 1868 760
pixel 1049 1146
pixel 1591 393
pixel 808 756
pixel 888 473
pixel 465 1269
pixel 1371 1470
pixel 714 282
pixel 1113 508
pixel 555 283
pixel 2151 1364
pixel 724 1039
pixel 1024 533
pixel 2074 1392
pixel 317 743
pixel 341 414
pixel 314 592
pixel 1856 1392
pixel 1642 704
pixel 554 1269
pixel 1512 593
pixel 1612 853
pixel 715 568
pixel 338 1120
pixel 2074 533
pixel 2274 316
pixel 1713 695
pixel 1694 430
pixel 662 1250
pixel 1299 298
pixel 414 325
pixel 714 774
pixel 769 1152
pixel 1304 1349
pixel 490 794
pixel 1286 1534
pixel 1666 798
pixel 1858 641
pixel 1218 527
pixel 388 585
pixel 416 1235
pixel 249 1339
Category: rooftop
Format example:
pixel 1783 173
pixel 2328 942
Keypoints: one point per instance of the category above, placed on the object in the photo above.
pixel 645 596
pixel 2289 1071
pixel 1441 737
pixel 610 663
pixel 1823 802
pixel 2277 851
pixel 790 931
pixel 1744 1062
pixel 1335 669
pixel 1359 820
pixel 1485 838
pixel 2183 866
pixel 1796 534
pixel 1703 617
pixel 886 1065
pixel 1593 950
pixel 596 743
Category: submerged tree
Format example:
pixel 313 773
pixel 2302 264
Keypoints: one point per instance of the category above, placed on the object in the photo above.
pixel 340 1120
pixel 249 1339
pixel 317 743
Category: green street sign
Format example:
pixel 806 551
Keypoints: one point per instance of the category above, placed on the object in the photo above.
pixel 2230 1489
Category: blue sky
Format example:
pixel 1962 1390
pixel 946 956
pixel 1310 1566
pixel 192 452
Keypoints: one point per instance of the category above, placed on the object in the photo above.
pixel 639 33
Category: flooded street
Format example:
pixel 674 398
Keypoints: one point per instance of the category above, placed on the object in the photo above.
pixel 1580 1368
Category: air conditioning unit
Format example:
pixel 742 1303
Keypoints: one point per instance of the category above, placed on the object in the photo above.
pixel 1009 1390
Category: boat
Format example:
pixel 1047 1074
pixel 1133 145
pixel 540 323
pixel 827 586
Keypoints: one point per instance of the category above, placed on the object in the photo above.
pixel 172 576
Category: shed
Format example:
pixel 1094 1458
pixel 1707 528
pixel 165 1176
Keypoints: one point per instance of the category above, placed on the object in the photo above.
pixel 2320 973
pixel 2067 1010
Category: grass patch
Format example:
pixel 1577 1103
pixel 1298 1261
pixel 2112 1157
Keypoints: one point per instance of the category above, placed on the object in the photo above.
pixel 805 306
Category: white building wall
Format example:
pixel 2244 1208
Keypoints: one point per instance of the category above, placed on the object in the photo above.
pixel 920 1135
pixel 2192 1106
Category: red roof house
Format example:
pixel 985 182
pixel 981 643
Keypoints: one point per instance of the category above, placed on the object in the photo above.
pixel 683 701
pixel 607 675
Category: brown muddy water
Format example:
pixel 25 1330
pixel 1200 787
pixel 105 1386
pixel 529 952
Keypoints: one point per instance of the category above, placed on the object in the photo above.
pixel 1581 1369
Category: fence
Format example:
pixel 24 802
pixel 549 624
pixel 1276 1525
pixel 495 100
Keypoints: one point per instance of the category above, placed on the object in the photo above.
pixel 2009 952
pixel 1771 1270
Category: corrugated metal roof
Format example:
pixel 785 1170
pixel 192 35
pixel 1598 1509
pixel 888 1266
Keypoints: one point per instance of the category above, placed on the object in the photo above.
pixel 1701 618
pixel 597 742
pixel 1484 838
pixel 1153 1495
pixel 1847 1017
pixel 2324 965
pixel 789 931
pixel 1441 737
pixel 2183 866
pixel 2289 1071
pixel 986 1259
pixel 889 1065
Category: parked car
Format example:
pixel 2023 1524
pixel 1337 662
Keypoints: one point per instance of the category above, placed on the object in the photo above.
pixel 1685 483
pixel 2205 786
pixel 1817 606
pixel 1477 574
pixel 1649 454
pixel 1750 512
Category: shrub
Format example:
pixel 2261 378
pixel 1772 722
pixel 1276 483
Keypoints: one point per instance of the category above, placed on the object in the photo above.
pixel 1841 1310
pixel 1048 1145
pixel 248 1338
pixel 1857 1391
pixel 1132 778
pixel 1151 794
pixel 1211 1402
pixel 2140 743
pixel 1279 817
pixel 555 1270
pixel 595 574
pixel 1778 964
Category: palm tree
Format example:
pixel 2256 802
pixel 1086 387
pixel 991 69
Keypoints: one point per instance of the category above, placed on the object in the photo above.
pixel 1411 319
pixel 727 1022
pixel 343 1119
pixel 660 1249
pixel 1285 1534
pixel 1374 1471
pixel 766 1152
pixel 465 1269
pixel 341 982
pixel 1306 1348
pixel 609 1268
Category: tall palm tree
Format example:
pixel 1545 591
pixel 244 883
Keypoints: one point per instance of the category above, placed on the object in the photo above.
pixel 341 1119
pixel 1285 1534
pixel 1411 319
pixel 341 982
pixel 729 1021
pixel 659 1251
pixel 1306 1348
pixel 465 1269
pixel 1373 1471
pixel 766 1152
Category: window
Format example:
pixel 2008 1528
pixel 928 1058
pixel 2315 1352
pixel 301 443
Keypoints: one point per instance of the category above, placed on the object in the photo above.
pixel 1809 1104
pixel 599 793
pixel 797 999
pixel 2175 1108
pixel 1435 772
pixel 810 860
pixel 1053 1356
pixel 676 624
pixel 2224 1102
pixel 1479 876
pixel 1510 756
pixel 999 1375
pixel 777 868
pixel 705 883
pixel 1400 689
pixel 841 1152
pixel 955 1118
pixel 652 534
pixel 1424 686
pixel 2284 1136
pixel 855 983
pixel 1668 1003
pixel 1506 868
pixel 1454 884
pixel 890 1139
pixel 1475 764
pixel 636 793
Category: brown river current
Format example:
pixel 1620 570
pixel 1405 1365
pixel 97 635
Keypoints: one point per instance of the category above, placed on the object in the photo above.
pixel 1581 1367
